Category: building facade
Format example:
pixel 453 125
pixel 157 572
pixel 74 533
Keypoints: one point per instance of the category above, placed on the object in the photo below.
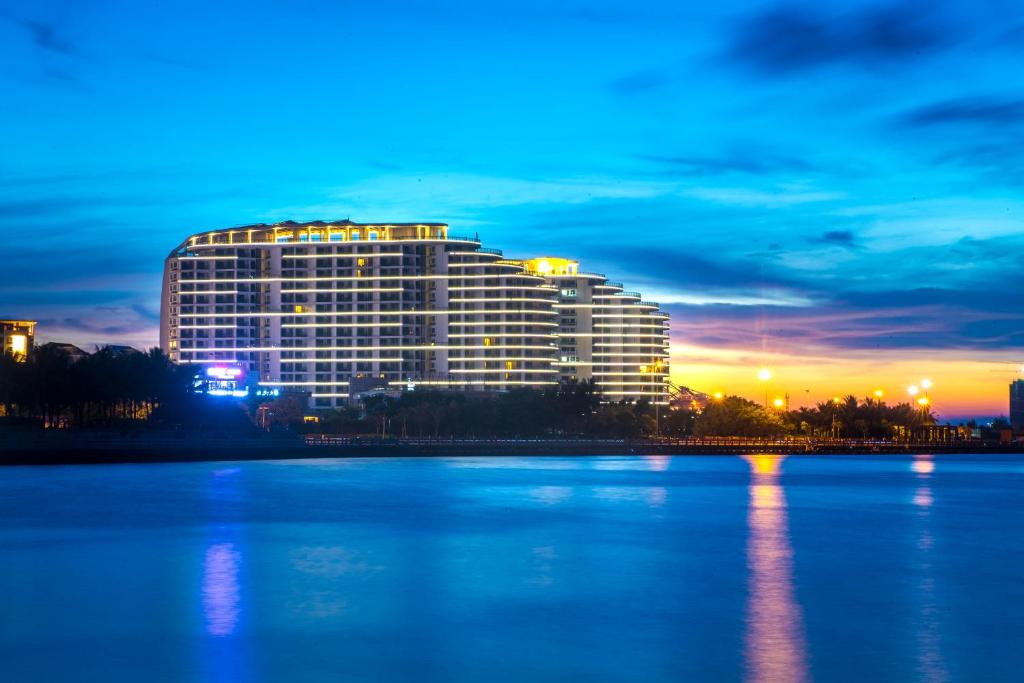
pixel 607 334
pixel 338 309
pixel 17 337
pixel 1017 404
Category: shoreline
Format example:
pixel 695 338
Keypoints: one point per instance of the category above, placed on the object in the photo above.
pixel 68 450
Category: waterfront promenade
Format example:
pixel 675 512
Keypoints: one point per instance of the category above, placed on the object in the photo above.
pixel 71 447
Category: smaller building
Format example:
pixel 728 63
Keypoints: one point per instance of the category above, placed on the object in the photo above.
pixel 73 353
pixel 1017 405
pixel 18 337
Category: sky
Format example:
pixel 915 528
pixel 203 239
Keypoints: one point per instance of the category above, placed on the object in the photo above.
pixel 830 189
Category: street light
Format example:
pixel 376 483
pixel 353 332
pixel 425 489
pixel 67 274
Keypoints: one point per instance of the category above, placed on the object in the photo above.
pixel 764 374
pixel 778 402
pixel 926 383
pixel 913 390
pixel 879 393
pixel 719 395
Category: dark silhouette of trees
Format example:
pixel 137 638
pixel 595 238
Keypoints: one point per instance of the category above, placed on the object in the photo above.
pixel 115 388
pixel 735 416
pixel 109 388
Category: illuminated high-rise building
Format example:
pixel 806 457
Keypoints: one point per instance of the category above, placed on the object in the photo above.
pixel 1017 404
pixel 607 334
pixel 17 337
pixel 336 309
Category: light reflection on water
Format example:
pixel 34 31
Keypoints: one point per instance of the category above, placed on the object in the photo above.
pixel 930 662
pixel 775 647
pixel 600 569
pixel 220 589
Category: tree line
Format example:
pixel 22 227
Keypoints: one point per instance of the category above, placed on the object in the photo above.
pixel 113 388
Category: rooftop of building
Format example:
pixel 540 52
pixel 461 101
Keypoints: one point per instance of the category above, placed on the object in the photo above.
pixel 346 230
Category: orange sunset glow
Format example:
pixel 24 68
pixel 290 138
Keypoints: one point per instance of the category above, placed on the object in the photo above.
pixel 961 385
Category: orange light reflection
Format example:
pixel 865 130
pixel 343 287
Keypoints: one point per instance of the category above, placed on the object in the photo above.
pixel 775 649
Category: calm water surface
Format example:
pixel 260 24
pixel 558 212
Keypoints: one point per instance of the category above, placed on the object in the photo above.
pixel 516 569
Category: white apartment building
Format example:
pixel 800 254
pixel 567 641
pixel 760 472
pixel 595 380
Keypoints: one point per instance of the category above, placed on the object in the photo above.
pixel 607 334
pixel 334 309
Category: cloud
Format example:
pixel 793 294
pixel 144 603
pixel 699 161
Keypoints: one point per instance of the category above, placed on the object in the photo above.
pixel 842 238
pixel 442 196
pixel 45 35
pixel 739 158
pixel 984 111
pixel 743 196
pixel 791 39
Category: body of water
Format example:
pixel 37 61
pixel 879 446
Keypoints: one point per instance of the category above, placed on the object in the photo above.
pixel 516 569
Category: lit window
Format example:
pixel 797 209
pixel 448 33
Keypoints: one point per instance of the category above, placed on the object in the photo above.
pixel 19 344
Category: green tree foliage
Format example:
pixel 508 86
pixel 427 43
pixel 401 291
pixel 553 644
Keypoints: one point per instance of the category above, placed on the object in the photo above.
pixel 735 416
pixel 109 388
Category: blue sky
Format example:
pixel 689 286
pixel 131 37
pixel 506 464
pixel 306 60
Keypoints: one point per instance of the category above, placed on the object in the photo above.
pixel 800 184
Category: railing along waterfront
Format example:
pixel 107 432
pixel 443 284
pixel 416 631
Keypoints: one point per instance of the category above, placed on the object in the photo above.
pixel 788 444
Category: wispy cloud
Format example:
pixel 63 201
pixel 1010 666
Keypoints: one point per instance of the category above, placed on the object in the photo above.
pixel 789 39
pixel 746 158
pixel 743 196
pixel 981 110
pixel 45 34
pixel 440 196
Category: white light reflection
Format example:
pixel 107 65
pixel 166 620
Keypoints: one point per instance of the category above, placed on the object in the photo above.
pixel 930 664
pixel 220 589
pixel 775 649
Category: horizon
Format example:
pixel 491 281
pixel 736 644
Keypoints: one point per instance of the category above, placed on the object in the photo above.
pixel 841 207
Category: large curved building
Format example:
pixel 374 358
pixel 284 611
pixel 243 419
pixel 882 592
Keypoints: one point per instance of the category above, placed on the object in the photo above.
pixel 606 334
pixel 337 308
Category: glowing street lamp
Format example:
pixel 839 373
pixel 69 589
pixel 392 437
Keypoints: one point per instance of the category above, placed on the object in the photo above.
pixel 913 390
pixel 879 393
pixel 764 375
pixel 778 402
pixel 926 383
pixel 923 401
pixel 718 395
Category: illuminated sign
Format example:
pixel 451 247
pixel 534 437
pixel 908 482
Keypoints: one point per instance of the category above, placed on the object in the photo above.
pixel 224 380
pixel 223 372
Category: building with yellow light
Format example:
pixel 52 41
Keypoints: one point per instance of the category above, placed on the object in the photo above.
pixel 607 334
pixel 1017 404
pixel 340 308
pixel 337 309
pixel 17 337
